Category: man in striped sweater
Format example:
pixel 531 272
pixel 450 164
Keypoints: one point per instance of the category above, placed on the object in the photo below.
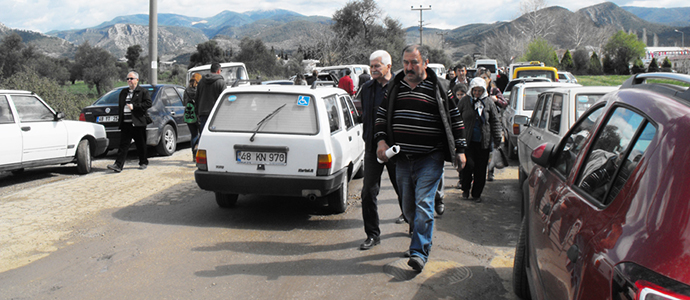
pixel 417 115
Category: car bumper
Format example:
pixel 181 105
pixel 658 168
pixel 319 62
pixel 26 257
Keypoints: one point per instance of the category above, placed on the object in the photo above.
pixel 278 185
pixel 101 146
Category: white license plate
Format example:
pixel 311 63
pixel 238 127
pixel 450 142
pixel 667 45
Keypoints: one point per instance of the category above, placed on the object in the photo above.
pixel 106 119
pixel 261 157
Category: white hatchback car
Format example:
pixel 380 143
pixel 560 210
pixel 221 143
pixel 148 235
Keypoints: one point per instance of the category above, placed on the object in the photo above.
pixel 35 135
pixel 281 140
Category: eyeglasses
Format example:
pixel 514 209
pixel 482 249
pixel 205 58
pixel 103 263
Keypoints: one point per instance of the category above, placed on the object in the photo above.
pixel 129 78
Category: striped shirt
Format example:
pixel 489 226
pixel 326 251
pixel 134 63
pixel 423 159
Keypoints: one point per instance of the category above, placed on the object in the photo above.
pixel 416 123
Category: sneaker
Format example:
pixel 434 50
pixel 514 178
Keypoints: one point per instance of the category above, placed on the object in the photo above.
pixel 477 199
pixel 115 168
pixel 466 194
pixel 440 207
pixel 459 185
pixel 490 177
pixel 416 263
pixel 143 166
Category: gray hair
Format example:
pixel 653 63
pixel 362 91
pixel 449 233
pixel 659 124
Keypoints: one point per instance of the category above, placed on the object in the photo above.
pixel 133 72
pixel 384 55
pixel 423 51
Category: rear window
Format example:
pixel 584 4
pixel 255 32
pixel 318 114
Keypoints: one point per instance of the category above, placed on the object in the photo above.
pixel 111 98
pixel 529 97
pixel 584 101
pixel 490 67
pixel 230 74
pixel 267 113
pixel 536 73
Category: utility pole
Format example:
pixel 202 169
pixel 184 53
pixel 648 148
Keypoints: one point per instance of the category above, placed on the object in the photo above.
pixel 153 41
pixel 421 22
pixel 443 38
pixel 682 37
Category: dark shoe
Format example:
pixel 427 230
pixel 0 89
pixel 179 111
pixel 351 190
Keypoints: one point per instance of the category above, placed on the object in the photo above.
pixel 466 194
pixel 143 166
pixel 400 219
pixel 369 243
pixel 416 263
pixel 459 185
pixel 490 177
pixel 410 232
pixel 407 253
pixel 115 168
pixel 477 199
pixel 440 207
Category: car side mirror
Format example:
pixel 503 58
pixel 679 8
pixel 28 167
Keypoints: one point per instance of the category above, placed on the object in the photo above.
pixel 59 116
pixel 522 120
pixel 542 154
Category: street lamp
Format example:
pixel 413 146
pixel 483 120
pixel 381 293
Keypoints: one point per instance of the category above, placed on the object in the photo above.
pixel 682 37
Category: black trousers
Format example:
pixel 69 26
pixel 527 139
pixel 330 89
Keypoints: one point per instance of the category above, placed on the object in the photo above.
pixel 127 133
pixel 475 169
pixel 370 190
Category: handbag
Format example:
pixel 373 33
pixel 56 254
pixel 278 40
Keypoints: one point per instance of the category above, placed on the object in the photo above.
pixel 189 113
pixel 148 118
pixel 499 159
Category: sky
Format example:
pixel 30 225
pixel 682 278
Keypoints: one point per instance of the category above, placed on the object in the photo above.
pixel 46 15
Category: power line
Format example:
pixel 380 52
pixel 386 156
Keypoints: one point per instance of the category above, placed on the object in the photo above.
pixel 421 21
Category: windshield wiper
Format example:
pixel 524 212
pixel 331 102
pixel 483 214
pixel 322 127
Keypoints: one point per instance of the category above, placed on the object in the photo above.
pixel 266 118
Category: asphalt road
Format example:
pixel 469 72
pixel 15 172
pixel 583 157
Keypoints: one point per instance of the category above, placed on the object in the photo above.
pixel 153 234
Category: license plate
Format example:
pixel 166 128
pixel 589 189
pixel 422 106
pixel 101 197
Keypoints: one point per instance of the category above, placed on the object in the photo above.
pixel 261 157
pixel 106 119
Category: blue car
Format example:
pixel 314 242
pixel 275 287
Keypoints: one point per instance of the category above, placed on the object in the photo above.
pixel 168 127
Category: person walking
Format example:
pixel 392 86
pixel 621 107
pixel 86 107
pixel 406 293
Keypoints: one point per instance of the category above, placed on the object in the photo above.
pixel 417 115
pixel 133 104
pixel 371 95
pixel 460 76
pixel 346 83
pixel 497 97
pixel 482 127
pixel 363 78
pixel 190 116
pixel 207 92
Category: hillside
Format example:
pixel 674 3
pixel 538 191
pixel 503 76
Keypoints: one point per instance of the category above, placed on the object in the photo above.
pixel 676 16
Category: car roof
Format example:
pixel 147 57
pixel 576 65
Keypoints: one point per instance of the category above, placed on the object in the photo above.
pixel 222 65
pixel 295 89
pixel 585 89
pixel 546 84
pixel 15 92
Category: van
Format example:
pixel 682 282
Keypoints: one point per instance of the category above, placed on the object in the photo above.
pixel 231 71
pixel 490 64
pixel 439 69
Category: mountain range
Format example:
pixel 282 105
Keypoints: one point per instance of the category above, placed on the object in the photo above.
pixel 287 30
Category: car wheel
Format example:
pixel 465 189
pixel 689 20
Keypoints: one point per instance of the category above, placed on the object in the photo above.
pixel 520 283
pixel 226 200
pixel 337 201
pixel 83 157
pixel 168 142
pixel 510 149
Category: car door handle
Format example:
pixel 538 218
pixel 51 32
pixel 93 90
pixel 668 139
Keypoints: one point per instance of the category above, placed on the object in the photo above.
pixel 538 137
pixel 172 113
pixel 350 137
pixel 26 128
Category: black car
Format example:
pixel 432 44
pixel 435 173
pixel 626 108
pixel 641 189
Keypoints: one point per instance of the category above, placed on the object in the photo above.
pixel 168 127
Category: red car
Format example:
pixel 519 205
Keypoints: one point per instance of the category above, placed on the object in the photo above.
pixel 607 209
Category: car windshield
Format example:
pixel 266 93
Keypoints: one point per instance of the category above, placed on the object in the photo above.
pixel 536 73
pixel 584 102
pixel 530 95
pixel 241 112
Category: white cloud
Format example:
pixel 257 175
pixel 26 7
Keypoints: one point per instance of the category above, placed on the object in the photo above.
pixel 46 15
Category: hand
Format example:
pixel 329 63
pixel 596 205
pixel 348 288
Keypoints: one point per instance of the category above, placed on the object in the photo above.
pixel 131 107
pixel 461 160
pixel 381 151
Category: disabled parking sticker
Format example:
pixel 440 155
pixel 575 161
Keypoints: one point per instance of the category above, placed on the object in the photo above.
pixel 303 100
pixel 232 98
pixel 583 99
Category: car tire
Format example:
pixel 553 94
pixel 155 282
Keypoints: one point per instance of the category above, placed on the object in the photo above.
pixel 520 281
pixel 226 200
pixel 83 157
pixel 337 201
pixel 168 142
pixel 508 145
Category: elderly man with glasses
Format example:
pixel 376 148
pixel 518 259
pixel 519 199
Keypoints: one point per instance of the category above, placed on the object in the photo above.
pixel 133 104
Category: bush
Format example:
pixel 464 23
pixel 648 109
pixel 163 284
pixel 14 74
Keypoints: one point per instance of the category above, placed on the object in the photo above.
pixel 653 66
pixel 52 93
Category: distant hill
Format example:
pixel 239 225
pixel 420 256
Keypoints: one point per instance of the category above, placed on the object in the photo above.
pixel 676 16
pixel 51 46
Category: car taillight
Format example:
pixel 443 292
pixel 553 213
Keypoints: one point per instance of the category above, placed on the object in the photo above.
pixel 516 129
pixel 539 151
pixel 82 117
pixel 633 282
pixel 325 164
pixel 201 160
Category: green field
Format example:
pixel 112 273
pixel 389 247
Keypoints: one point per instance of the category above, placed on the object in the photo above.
pixel 616 80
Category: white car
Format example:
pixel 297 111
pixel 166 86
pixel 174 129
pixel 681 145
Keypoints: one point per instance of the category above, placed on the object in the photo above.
pixel 555 112
pixel 355 70
pixel 440 69
pixel 565 76
pixel 35 135
pixel 234 73
pixel 282 141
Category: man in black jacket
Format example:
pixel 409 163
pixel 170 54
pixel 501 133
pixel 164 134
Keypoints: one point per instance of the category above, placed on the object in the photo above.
pixel 207 92
pixel 132 106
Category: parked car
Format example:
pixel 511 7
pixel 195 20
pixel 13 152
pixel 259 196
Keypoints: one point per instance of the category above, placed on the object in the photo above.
pixel 356 70
pixel 439 69
pixel 512 83
pixel 281 140
pixel 536 71
pixel 490 64
pixel 607 210
pixel 36 135
pixel 168 127
pixel 513 66
pixel 555 112
pixel 234 73
pixel 523 98
pixel 565 76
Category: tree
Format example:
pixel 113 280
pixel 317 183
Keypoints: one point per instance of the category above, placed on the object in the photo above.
pixel 438 56
pixel 97 66
pixel 607 65
pixel 540 50
pixel 624 48
pixel 594 65
pixel 505 45
pixel 567 62
pixel 653 66
pixel 535 22
pixel 132 56
pixel 666 65
pixel 206 53
pixel 638 66
pixel 580 62
pixel 10 55
pixel 356 18
pixel 257 57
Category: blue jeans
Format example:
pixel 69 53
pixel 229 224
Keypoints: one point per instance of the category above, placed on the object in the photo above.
pixel 418 181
